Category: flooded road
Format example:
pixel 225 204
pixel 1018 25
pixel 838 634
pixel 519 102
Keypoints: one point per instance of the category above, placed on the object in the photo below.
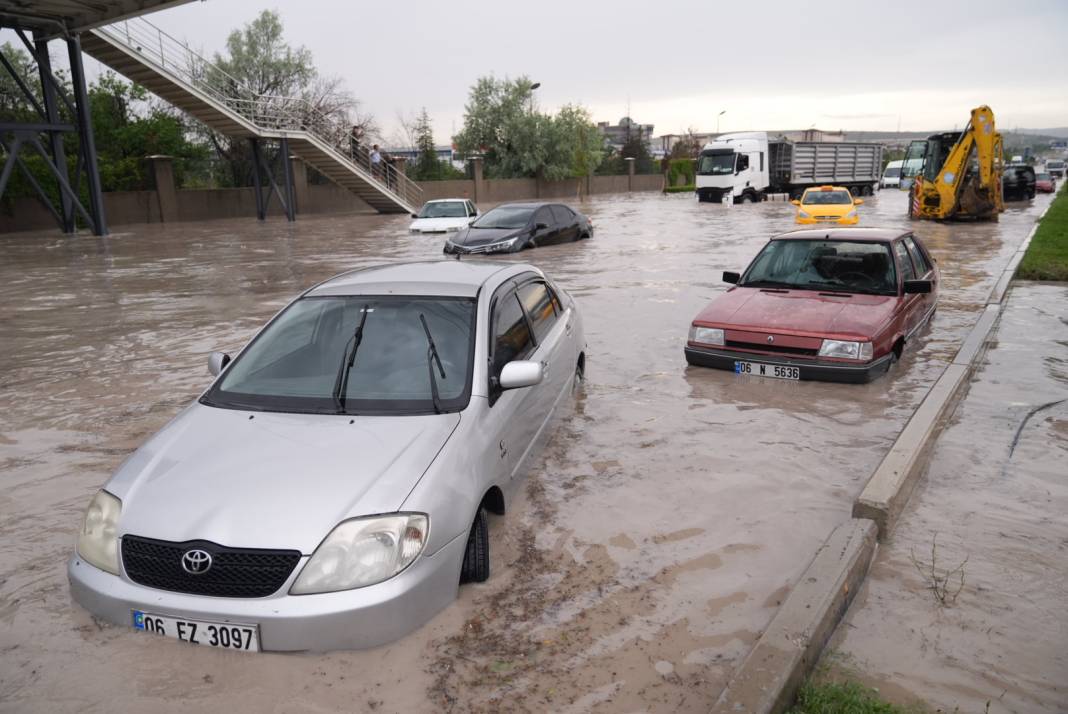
pixel 659 531
pixel 995 497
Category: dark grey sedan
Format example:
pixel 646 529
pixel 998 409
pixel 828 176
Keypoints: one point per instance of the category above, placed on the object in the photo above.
pixel 512 227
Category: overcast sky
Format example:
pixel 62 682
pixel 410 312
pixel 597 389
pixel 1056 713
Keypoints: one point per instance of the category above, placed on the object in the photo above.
pixel 920 65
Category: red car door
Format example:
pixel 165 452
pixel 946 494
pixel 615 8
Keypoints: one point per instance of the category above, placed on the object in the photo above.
pixel 913 304
pixel 925 270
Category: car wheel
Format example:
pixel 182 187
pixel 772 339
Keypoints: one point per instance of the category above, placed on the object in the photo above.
pixel 476 568
pixel 746 198
pixel 580 376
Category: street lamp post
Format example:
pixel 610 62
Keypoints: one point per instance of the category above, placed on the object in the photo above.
pixel 717 120
pixel 531 103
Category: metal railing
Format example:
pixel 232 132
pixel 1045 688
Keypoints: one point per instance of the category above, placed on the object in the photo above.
pixel 270 113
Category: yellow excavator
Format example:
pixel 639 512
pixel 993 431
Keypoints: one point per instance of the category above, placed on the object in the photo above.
pixel 959 175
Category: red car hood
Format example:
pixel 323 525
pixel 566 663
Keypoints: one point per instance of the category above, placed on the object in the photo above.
pixel 800 312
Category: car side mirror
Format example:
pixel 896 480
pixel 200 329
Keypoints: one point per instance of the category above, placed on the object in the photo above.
pixel 415 215
pixel 217 362
pixel 858 201
pixel 917 287
pixel 540 226
pixel 729 277
pixel 795 202
pixel 520 373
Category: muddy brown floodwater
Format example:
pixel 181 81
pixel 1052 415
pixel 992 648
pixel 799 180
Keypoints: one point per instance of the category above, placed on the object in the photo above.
pixel 659 531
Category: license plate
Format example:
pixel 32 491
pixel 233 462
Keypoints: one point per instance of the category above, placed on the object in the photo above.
pixel 756 369
pixel 225 635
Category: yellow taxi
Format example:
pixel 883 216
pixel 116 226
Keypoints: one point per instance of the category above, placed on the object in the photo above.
pixel 827 204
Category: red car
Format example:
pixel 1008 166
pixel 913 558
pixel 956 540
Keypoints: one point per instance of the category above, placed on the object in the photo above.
pixel 837 304
pixel 1045 183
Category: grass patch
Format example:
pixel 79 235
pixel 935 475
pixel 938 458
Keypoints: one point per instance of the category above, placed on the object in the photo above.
pixel 689 188
pixel 1047 256
pixel 843 698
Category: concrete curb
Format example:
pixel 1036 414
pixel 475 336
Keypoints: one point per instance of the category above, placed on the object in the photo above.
pixel 768 680
pixel 892 483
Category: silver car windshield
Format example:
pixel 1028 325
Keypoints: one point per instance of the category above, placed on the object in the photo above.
pixel 300 362
pixel 843 266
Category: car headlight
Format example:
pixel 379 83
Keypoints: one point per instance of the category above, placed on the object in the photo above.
pixel 706 335
pixel 503 245
pixel 803 214
pixel 362 552
pixel 451 229
pixel 846 350
pixel 97 543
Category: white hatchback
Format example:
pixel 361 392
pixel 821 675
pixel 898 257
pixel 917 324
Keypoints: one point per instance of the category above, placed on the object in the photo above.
pixel 444 215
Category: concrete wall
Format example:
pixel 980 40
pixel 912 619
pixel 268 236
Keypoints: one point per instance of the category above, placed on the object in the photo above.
pixel 525 189
pixel 126 207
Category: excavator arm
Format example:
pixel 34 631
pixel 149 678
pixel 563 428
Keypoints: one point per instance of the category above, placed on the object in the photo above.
pixel 951 185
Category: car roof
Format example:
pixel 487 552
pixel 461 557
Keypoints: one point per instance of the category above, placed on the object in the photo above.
pixel 449 200
pixel 451 278
pixel 869 234
pixel 526 204
pixel 825 187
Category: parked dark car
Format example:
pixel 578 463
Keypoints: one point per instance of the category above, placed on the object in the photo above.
pixel 1018 183
pixel 512 227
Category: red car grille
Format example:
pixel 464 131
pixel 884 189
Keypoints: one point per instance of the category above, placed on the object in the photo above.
pixel 772 348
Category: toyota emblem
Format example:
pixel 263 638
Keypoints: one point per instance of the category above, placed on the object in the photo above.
pixel 771 338
pixel 196 561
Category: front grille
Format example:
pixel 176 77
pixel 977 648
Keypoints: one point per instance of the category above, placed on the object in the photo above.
pixel 234 572
pixel 762 347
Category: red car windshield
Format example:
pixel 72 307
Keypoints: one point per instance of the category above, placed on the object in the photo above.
pixel 836 265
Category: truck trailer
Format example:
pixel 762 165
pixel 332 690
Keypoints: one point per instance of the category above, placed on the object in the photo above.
pixel 744 167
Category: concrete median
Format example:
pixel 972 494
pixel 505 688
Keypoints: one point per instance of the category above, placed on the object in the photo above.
pixel 768 680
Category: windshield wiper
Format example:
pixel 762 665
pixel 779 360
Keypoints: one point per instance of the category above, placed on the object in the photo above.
pixel 843 288
pixel 341 383
pixel 431 357
pixel 766 284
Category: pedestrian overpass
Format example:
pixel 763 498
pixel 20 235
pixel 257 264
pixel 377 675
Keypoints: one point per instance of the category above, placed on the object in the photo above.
pixel 142 52
pixel 115 33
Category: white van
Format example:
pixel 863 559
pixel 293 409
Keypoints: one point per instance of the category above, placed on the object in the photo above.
pixel 891 175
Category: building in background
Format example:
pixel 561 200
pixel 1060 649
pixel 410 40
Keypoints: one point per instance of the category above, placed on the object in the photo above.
pixel 618 134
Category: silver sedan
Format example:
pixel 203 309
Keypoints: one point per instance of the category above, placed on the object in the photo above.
pixel 330 489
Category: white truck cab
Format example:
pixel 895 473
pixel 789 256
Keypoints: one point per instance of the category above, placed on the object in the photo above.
pixel 733 167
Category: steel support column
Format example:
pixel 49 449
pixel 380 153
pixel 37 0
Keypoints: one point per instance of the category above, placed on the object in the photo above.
pixel 287 176
pixel 261 207
pixel 85 130
pixel 59 158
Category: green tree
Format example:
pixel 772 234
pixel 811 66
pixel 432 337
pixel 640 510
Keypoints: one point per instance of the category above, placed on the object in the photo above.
pixel 127 127
pixel 261 62
pixel 501 124
pixel 427 166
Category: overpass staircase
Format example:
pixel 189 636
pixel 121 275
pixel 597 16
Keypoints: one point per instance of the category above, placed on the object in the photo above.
pixel 144 53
